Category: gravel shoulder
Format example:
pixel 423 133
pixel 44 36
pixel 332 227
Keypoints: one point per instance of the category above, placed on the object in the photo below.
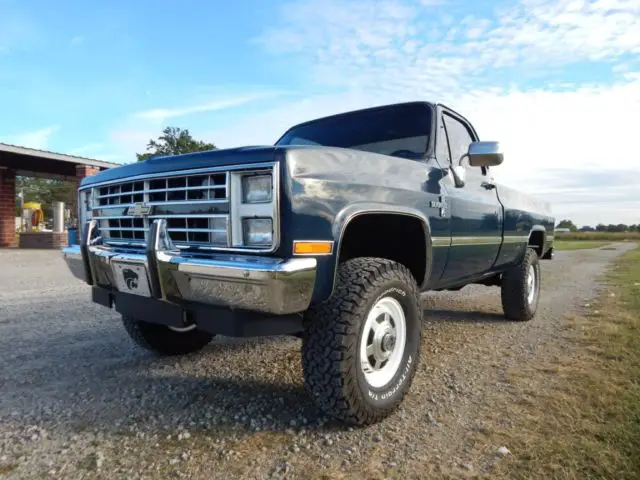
pixel 79 400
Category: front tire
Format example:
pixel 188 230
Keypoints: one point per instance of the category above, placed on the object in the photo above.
pixel 362 346
pixel 163 340
pixel 520 289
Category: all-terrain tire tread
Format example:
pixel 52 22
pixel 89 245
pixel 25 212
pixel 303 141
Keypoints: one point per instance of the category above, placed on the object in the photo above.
pixel 330 341
pixel 513 290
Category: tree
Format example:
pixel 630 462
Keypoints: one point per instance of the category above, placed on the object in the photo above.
pixel 174 141
pixel 567 224
pixel 621 227
pixel 45 192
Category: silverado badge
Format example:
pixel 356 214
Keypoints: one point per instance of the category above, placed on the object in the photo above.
pixel 139 210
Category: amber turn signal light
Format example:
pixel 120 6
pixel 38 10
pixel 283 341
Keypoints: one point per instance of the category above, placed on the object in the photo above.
pixel 312 247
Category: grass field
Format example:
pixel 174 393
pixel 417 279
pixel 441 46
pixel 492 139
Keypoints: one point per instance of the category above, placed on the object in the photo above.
pixel 581 417
pixel 598 236
pixel 578 244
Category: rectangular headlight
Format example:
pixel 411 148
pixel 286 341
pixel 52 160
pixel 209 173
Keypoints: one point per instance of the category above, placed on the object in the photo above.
pixel 257 231
pixel 256 188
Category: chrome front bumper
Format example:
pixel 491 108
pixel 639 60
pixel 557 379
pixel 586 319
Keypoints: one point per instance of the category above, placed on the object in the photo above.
pixel 258 284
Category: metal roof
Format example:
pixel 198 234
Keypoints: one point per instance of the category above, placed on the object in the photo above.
pixel 61 157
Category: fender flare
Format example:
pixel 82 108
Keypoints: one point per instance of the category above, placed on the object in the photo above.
pixel 538 228
pixel 354 210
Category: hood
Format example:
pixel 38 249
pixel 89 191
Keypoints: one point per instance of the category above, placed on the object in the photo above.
pixel 187 161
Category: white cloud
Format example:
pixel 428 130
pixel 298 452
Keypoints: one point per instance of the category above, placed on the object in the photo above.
pixel 38 139
pixel 344 43
pixel 161 114
pixel 132 138
pixel 375 52
pixel 99 151
pixel 86 149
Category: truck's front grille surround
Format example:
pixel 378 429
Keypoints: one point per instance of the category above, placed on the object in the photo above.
pixel 182 188
pixel 197 207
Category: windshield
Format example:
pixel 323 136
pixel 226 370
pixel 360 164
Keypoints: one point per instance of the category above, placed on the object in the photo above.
pixel 397 130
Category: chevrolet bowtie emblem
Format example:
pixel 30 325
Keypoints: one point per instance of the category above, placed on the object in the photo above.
pixel 139 210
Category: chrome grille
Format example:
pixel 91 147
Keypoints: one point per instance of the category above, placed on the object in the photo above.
pixel 193 188
pixel 123 228
pixel 196 208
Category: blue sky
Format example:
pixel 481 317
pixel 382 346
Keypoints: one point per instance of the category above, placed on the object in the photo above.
pixel 556 81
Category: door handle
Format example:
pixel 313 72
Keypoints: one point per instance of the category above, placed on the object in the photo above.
pixel 488 185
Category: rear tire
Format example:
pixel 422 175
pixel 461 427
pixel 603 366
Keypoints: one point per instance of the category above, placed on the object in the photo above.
pixel 521 288
pixel 164 341
pixel 361 347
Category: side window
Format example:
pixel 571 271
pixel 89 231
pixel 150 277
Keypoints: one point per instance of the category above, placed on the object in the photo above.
pixel 442 146
pixel 459 140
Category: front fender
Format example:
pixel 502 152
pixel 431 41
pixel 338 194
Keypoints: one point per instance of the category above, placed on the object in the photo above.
pixel 326 188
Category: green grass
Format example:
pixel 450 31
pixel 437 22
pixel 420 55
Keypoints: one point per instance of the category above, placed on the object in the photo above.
pixel 577 244
pixel 598 236
pixel 579 417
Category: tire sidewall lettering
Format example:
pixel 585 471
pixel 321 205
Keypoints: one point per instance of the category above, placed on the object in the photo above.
pixel 394 388
pixel 389 393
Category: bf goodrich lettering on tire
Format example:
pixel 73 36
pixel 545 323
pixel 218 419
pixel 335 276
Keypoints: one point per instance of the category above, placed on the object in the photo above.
pixel 403 377
pixel 391 290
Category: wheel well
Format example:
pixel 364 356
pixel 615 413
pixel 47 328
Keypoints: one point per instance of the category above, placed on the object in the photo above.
pixel 400 238
pixel 536 240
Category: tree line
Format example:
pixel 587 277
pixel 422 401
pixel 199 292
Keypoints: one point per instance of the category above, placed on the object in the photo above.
pixel 621 227
pixel 173 141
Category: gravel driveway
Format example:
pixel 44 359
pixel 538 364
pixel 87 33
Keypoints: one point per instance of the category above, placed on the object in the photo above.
pixel 79 400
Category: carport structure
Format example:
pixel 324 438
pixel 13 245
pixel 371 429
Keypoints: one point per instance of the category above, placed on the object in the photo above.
pixel 28 162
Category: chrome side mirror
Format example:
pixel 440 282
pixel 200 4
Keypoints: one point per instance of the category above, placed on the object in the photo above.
pixel 459 175
pixel 485 154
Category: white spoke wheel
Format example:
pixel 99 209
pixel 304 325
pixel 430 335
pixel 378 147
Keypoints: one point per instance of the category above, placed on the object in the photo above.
pixel 382 343
pixel 531 284
pixel 361 347
pixel 521 288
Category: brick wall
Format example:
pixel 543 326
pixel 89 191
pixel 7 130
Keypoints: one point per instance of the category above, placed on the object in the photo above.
pixel 84 171
pixel 81 172
pixel 7 208
pixel 55 240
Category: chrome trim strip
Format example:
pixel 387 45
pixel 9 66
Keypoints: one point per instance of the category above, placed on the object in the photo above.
pixel 460 241
pixel 172 202
pixel 477 240
pixel 158 190
pixel 440 241
pixel 516 239
pixel 194 171
pixel 188 215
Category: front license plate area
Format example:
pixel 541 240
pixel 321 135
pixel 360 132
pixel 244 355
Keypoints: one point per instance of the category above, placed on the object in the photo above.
pixel 132 278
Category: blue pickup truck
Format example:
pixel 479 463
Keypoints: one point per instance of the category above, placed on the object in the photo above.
pixel 330 235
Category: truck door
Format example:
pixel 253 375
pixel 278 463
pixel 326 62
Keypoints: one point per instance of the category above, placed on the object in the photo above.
pixel 475 211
